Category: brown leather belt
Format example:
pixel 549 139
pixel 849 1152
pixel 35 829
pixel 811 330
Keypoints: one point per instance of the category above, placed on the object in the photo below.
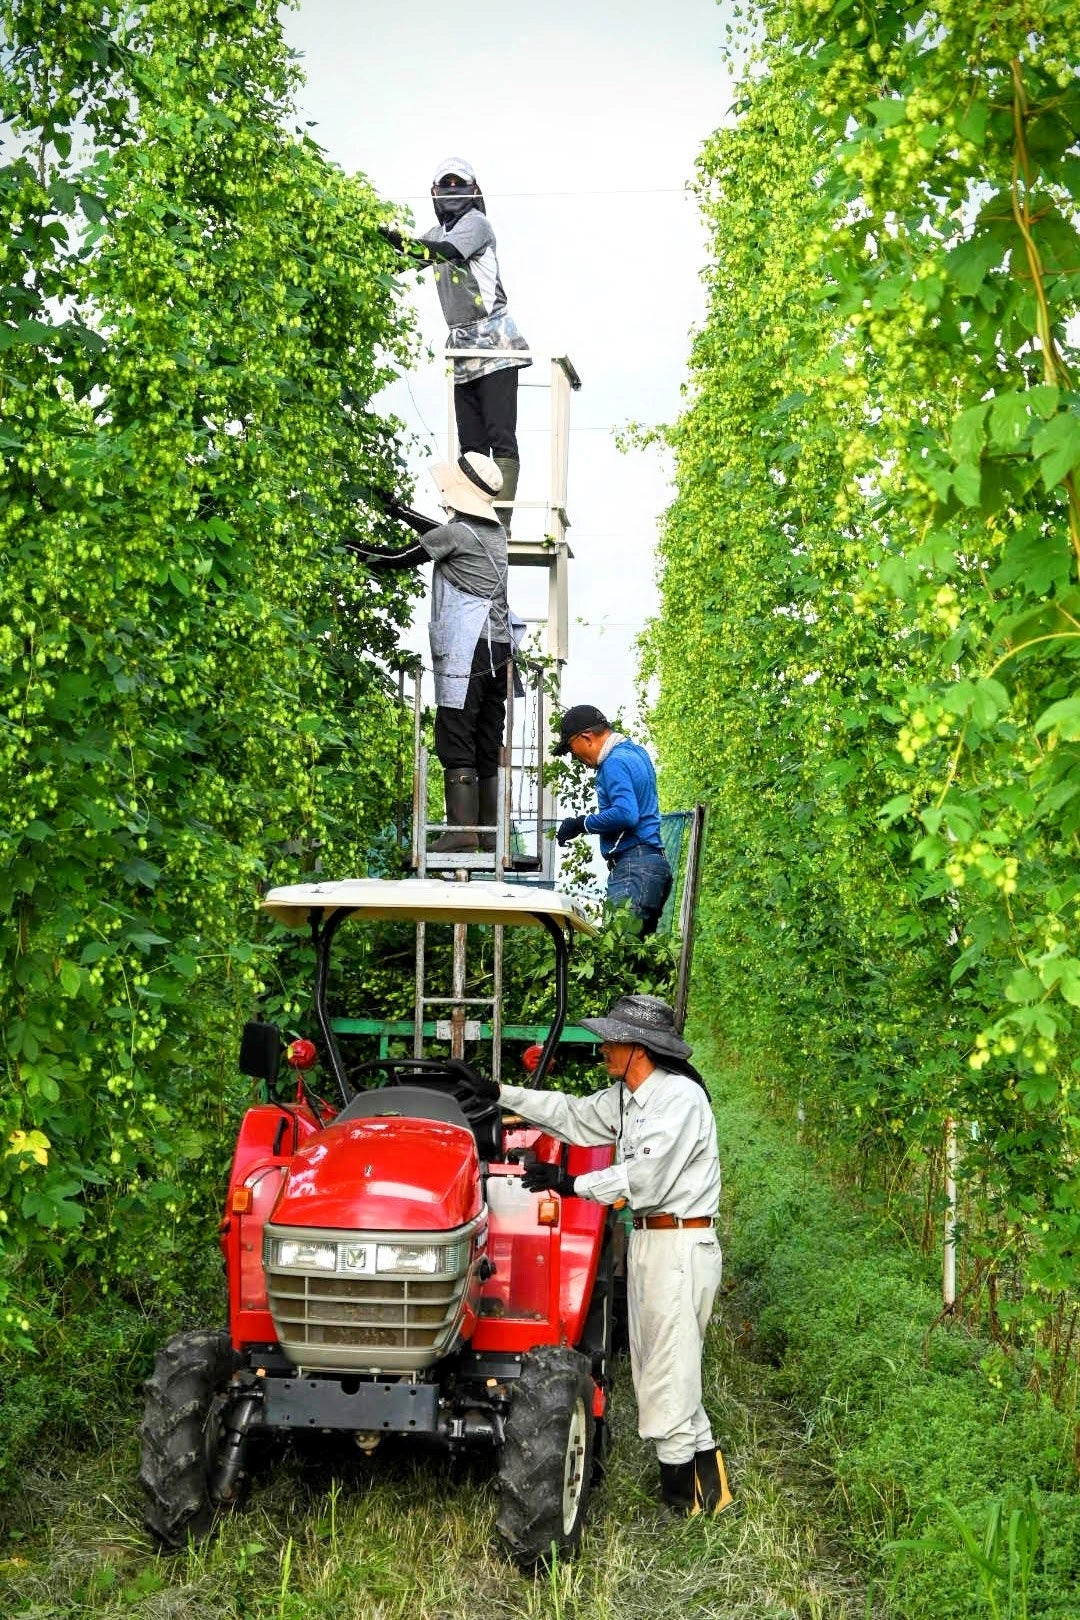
pixel 666 1223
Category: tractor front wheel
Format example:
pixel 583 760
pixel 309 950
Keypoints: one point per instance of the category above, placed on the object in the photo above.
pixel 182 1434
pixel 545 1465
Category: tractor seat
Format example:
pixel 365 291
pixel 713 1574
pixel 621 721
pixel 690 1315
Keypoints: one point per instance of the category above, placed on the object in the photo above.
pixel 410 1102
pixel 478 1115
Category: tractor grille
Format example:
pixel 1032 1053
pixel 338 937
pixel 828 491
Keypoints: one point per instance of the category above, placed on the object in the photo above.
pixel 364 1324
pixel 405 1314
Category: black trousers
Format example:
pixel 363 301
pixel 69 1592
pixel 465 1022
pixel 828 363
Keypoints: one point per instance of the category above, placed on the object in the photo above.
pixel 486 412
pixel 471 738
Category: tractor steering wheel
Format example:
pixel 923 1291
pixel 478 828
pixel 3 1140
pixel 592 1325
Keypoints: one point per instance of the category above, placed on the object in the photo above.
pixel 451 1075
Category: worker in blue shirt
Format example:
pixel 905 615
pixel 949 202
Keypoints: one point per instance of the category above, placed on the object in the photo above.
pixel 628 817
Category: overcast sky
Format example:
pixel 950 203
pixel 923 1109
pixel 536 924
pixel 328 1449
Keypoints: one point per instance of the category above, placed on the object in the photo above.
pixel 582 119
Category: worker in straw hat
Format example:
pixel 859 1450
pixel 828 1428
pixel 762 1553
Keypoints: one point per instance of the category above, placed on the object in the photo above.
pixel 472 633
pixel 667 1169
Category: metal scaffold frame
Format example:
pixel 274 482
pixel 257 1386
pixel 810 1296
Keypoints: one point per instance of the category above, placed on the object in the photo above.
pixel 455 1019
pixel 520 851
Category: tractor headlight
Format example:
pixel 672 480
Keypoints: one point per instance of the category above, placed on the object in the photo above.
pixel 423 1259
pixel 417 1260
pixel 366 1257
pixel 296 1254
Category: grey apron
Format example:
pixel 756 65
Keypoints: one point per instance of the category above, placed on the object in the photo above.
pixel 458 619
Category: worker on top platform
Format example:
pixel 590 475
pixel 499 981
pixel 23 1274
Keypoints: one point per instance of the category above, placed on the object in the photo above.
pixel 628 817
pixel 472 634
pixel 474 304
pixel 473 300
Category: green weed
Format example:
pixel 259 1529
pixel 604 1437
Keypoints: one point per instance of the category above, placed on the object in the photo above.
pixel 410 1536
pixel 839 1316
pixel 1003 1560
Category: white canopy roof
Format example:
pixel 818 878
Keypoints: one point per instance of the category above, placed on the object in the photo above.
pixel 427 900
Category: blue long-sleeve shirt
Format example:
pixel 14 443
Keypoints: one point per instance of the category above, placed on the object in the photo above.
pixel 629 812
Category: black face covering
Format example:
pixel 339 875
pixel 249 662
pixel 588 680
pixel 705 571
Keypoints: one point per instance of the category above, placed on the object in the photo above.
pixel 453 204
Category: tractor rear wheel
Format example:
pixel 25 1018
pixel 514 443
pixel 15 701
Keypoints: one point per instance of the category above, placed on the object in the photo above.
pixel 545 1466
pixel 182 1434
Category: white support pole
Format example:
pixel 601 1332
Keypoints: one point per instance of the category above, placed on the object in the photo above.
pixel 560 443
pixel 948 1263
pixel 451 422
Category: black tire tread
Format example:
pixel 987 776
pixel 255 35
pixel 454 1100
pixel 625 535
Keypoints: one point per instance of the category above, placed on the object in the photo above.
pixel 532 1459
pixel 188 1372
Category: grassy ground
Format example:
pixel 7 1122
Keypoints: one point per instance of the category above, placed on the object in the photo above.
pixel 843 1425
pixel 413 1536
pixel 408 1535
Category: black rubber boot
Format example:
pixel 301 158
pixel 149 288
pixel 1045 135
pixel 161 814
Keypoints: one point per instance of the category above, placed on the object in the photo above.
pixel 488 813
pixel 677 1486
pixel 510 470
pixel 711 1492
pixel 462 810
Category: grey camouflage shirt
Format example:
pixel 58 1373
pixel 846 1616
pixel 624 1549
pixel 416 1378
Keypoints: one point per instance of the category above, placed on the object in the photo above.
pixel 473 298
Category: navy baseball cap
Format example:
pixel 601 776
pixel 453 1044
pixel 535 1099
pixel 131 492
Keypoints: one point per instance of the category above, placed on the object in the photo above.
pixel 582 717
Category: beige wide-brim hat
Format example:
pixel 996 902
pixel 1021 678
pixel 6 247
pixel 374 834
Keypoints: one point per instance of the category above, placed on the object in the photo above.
pixel 469 484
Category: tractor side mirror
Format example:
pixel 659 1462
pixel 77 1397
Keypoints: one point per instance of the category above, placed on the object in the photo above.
pixel 260 1050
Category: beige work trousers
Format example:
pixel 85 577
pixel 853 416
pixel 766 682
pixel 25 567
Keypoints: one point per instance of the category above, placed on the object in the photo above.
pixel 672 1278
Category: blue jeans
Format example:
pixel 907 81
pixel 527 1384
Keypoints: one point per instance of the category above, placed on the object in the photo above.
pixel 642 878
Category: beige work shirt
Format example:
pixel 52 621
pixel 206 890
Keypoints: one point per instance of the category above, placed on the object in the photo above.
pixel 666 1157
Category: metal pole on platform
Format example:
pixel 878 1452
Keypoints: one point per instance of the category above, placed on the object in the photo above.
pixel 688 913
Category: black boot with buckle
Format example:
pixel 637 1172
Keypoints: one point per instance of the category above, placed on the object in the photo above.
pixel 462 804
pixel 488 814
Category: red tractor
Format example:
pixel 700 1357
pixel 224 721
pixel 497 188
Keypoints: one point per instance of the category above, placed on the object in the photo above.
pixel 388 1273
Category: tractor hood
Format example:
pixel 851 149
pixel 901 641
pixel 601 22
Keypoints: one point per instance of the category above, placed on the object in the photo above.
pixel 386 1174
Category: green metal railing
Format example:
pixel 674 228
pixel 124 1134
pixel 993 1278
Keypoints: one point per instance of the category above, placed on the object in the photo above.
pixel 387 1029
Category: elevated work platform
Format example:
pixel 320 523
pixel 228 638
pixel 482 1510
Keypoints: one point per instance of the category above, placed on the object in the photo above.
pixel 517 845
pixel 545 546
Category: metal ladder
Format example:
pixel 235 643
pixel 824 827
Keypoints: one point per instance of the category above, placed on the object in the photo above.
pixel 507 859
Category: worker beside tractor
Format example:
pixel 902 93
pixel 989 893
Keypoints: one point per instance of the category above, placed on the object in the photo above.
pixel 667 1171
pixel 628 816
